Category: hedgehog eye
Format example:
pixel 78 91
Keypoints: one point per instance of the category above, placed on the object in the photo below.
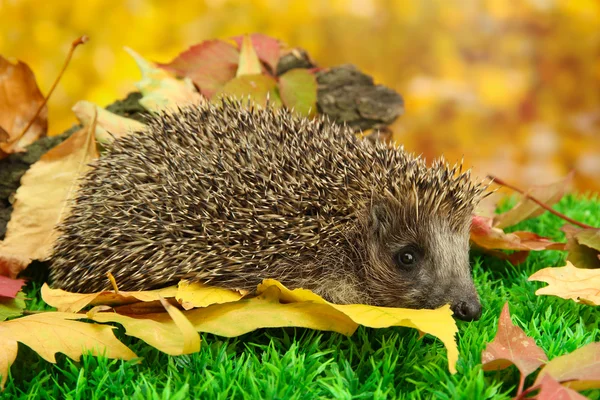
pixel 407 257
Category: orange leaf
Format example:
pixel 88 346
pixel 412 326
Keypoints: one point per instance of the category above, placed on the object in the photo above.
pixel 20 98
pixel 579 370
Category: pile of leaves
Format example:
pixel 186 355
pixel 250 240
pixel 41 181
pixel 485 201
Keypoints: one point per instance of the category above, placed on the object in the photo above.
pixel 170 319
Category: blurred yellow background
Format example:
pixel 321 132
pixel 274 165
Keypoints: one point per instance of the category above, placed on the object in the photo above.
pixel 514 86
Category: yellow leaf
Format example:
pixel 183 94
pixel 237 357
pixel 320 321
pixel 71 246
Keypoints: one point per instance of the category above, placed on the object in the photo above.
pixel 74 302
pixel 438 322
pixel 42 202
pixel 108 125
pixel 191 295
pixel 191 339
pixel 249 62
pixel 161 90
pixel 49 333
pixel 569 282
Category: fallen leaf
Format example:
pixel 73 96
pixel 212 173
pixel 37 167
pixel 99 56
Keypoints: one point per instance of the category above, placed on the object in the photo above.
pixel 550 389
pixel 196 294
pixel 191 339
pixel 162 91
pixel 438 322
pixel 74 302
pixel 249 62
pixel 527 209
pixel 10 308
pixel 267 48
pixel 579 284
pixel 583 246
pixel 511 346
pixel 298 89
pixel 257 88
pixel 10 287
pixel 48 333
pixel 20 98
pixel 488 237
pixel 209 65
pixel 579 370
pixel 41 202
pixel 108 125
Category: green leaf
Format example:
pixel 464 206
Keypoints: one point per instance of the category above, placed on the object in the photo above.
pixel 298 89
pixel 12 307
pixel 254 87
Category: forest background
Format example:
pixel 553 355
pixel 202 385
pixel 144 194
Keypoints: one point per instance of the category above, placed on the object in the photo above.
pixel 513 86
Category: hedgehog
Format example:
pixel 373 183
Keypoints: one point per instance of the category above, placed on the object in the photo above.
pixel 230 194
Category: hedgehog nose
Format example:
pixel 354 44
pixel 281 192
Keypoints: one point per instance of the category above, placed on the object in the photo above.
pixel 467 310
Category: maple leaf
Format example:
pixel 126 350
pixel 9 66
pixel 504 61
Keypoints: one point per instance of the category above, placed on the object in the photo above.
pixel 108 125
pixel 10 287
pixel 209 65
pixel 298 89
pixel 41 202
pixel 20 99
pixel 162 91
pixel 267 48
pixel 511 346
pixel 527 209
pixel 579 370
pixel 49 333
pixel 569 282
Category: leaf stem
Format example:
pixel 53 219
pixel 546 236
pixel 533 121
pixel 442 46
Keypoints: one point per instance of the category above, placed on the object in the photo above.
pixel 546 207
pixel 76 42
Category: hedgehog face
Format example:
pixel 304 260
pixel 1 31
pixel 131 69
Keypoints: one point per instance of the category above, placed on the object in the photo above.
pixel 419 261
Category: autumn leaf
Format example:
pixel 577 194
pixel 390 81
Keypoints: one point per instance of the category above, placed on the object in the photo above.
pixel 257 88
pixel 484 235
pixel 10 287
pixel 108 125
pixel 209 65
pixel 75 302
pixel 267 49
pixel 191 295
pixel 298 89
pixel 527 209
pixel 550 389
pixel 162 91
pixel 583 246
pixel 249 62
pixel 569 282
pixel 49 333
pixel 579 370
pixel 10 308
pixel 20 99
pixel 41 202
pixel 511 346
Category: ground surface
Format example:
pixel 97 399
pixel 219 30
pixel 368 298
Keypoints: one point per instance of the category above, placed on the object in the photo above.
pixel 303 364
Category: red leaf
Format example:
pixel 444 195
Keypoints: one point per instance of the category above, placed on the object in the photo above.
pixel 10 287
pixel 512 346
pixel 579 370
pixel 488 237
pixel 550 389
pixel 209 65
pixel 267 49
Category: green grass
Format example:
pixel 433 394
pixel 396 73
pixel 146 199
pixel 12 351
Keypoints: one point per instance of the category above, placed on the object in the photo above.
pixel 302 364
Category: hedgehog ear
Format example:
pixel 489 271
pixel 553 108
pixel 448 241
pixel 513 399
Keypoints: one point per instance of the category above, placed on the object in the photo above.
pixel 380 218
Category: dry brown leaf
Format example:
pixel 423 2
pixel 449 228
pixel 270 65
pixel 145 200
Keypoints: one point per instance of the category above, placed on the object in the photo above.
pixel 20 98
pixel 49 333
pixel 42 202
pixel 569 282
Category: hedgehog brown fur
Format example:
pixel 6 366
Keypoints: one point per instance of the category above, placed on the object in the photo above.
pixel 230 195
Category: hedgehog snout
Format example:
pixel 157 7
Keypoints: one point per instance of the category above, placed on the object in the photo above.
pixel 467 310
